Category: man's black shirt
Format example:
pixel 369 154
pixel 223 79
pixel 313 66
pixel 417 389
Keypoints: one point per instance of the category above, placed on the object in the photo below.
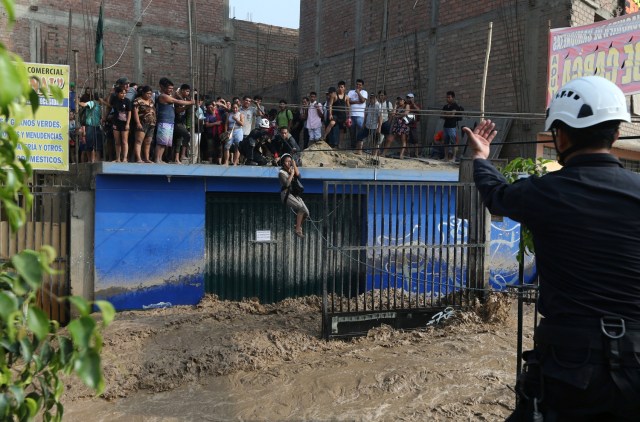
pixel 585 220
pixel 450 122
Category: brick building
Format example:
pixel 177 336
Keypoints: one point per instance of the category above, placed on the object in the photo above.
pixel 430 46
pixel 231 57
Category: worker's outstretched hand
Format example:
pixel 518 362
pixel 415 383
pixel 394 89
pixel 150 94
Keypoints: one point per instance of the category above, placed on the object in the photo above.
pixel 480 138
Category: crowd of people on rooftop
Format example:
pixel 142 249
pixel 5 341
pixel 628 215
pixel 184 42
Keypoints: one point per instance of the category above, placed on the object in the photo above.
pixel 141 125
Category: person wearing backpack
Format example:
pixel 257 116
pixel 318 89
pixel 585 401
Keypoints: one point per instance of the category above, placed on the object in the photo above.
pixel 91 116
pixel 284 116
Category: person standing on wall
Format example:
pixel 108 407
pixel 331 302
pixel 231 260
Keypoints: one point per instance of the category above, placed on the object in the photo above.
pixel 451 118
pixel 386 111
pixel 414 125
pixel 94 120
pixel 122 118
pixel 314 118
pixel 358 101
pixel 585 221
pixel 166 117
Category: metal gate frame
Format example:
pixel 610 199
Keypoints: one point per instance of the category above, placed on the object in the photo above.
pixel 47 223
pixel 419 256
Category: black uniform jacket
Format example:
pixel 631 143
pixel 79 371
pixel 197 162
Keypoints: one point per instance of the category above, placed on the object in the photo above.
pixel 585 220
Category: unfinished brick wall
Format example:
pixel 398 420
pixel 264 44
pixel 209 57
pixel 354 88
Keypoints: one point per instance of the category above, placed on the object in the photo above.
pixel 438 46
pixel 265 55
pixel 227 60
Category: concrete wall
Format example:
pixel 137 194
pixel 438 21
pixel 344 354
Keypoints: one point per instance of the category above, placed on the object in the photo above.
pixel 430 46
pixel 231 57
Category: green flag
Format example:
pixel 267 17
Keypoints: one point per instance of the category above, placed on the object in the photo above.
pixel 99 40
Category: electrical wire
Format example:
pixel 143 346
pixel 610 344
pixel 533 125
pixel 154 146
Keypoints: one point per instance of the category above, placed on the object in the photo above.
pixel 128 38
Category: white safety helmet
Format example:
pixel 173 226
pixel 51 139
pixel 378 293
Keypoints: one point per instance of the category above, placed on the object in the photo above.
pixel 264 123
pixel 587 101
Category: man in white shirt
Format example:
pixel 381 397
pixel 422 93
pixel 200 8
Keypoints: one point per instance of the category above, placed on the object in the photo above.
pixel 314 118
pixel 358 101
pixel 249 115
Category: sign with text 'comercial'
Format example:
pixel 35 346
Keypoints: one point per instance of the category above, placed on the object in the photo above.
pixel 47 133
pixel 610 49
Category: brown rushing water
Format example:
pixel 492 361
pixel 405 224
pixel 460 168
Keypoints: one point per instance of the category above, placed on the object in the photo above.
pixel 245 361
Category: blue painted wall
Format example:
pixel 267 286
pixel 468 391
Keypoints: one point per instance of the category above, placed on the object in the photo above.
pixel 149 240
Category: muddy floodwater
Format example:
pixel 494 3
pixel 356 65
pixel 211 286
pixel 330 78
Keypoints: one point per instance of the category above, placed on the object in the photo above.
pixel 243 361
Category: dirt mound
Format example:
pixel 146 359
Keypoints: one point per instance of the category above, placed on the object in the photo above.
pixel 320 154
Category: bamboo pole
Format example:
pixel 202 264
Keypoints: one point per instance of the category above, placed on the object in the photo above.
pixel 486 69
pixel 193 109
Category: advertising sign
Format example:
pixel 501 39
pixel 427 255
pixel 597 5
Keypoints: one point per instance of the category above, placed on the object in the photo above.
pixel 47 133
pixel 610 49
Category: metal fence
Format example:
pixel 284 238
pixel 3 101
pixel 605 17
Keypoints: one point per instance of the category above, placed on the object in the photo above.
pixel 404 254
pixel 47 223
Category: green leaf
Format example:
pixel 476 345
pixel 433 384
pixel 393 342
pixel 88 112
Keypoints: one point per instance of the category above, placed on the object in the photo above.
pixel 46 353
pixel 26 349
pixel 32 406
pixel 65 349
pixel 58 417
pixel 18 393
pixel 34 99
pixel 38 322
pixel 59 389
pixel 82 305
pixel 11 11
pixel 27 264
pixel 87 366
pixel 81 330
pixel 10 77
pixel 4 406
pixel 107 310
pixel 8 304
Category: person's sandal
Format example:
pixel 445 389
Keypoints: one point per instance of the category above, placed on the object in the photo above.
pixel 299 234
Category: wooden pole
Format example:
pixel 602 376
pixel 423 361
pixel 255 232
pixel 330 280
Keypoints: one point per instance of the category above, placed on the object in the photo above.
pixel 193 109
pixel 486 69
pixel 76 117
pixel 69 37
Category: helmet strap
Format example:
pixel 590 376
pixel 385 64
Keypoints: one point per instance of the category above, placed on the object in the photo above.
pixel 562 156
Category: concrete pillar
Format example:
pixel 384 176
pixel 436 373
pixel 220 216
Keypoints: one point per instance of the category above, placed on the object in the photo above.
pixel 81 251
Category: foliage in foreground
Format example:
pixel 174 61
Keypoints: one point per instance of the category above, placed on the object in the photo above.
pixel 34 352
pixel 515 170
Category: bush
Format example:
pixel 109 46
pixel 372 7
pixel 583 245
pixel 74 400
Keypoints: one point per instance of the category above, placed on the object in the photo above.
pixel 34 352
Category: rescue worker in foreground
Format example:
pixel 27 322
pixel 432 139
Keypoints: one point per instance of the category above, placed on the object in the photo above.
pixel 585 220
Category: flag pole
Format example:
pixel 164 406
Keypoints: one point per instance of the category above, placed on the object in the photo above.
pixel 99 48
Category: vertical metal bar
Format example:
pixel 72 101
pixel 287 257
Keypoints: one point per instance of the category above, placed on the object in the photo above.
pixel 432 190
pixel 396 244
pixel 441 244
pixel 373 190
pixel 384 251
pixel 336 255
pixel 406 252
pixel 411 250
pixel 447 240
pixel 424 225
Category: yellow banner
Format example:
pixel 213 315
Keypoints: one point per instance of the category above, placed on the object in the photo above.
pixel 47 133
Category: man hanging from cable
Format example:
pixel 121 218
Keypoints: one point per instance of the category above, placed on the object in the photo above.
pixel 291 189
pixel 585 221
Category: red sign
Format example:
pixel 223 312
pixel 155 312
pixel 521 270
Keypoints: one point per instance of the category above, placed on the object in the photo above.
pixel 610 49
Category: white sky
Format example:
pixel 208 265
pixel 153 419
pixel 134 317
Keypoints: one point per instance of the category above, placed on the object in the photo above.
pixel 284 13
